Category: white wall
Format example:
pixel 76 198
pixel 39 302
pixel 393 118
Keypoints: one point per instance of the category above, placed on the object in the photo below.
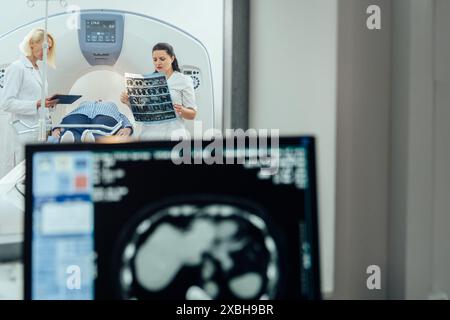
pixel 293 88
pixel 201 18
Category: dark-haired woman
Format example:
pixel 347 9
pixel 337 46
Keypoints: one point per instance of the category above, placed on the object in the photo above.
pixel 181 90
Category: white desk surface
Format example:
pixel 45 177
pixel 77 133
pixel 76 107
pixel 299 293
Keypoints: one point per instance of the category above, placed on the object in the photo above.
pixel 11 281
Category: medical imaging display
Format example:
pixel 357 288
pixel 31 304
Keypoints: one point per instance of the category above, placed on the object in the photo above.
pixel 144 226
pixel 100 31
pixel 149 97
pixel 196 248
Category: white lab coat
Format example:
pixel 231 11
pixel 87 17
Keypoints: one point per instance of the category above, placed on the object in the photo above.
pixel 182 92
pixel 22 89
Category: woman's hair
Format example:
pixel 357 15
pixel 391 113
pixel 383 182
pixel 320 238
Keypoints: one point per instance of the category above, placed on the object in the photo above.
pixel 37 36
pixel 169 49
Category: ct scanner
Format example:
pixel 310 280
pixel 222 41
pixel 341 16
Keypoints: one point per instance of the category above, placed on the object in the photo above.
pixel 91 61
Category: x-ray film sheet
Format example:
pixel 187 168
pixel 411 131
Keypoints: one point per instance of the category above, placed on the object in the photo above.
pixel 149 98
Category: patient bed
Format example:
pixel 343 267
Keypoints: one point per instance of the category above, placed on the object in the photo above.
pixel 22 128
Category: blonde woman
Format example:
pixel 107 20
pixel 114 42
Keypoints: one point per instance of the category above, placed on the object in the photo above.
pixel 21 96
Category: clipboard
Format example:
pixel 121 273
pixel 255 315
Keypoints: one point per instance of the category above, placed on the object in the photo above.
pixel 65 98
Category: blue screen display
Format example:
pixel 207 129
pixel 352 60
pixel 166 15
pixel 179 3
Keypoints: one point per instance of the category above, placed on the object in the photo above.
pixel 63 257
pixel 100 31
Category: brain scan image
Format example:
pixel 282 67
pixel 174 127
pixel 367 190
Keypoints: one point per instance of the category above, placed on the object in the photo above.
pixel 203 250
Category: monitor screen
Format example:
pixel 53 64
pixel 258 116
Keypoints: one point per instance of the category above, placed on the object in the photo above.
pixel 100 31
pixel 129 221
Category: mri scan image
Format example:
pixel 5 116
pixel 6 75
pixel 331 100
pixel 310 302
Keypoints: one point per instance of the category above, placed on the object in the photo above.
pixel 182 232
pixel 204 250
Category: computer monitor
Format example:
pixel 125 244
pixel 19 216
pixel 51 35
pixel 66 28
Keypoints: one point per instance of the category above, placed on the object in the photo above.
pixel 128 221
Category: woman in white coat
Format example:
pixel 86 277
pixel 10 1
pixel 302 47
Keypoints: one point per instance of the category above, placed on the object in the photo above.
pixel 182 92
pixel 21 95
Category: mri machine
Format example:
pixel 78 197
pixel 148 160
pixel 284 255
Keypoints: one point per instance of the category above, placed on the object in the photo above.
pixel 91 61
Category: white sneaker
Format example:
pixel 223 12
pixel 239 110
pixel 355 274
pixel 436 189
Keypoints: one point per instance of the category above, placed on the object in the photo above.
pixel 67 137
pixel 87 137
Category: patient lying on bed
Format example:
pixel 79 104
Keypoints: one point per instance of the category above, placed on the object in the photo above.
pixel 92 113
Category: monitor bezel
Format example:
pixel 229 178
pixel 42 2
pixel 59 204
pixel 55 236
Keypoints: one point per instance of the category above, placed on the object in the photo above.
pixel 30 150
